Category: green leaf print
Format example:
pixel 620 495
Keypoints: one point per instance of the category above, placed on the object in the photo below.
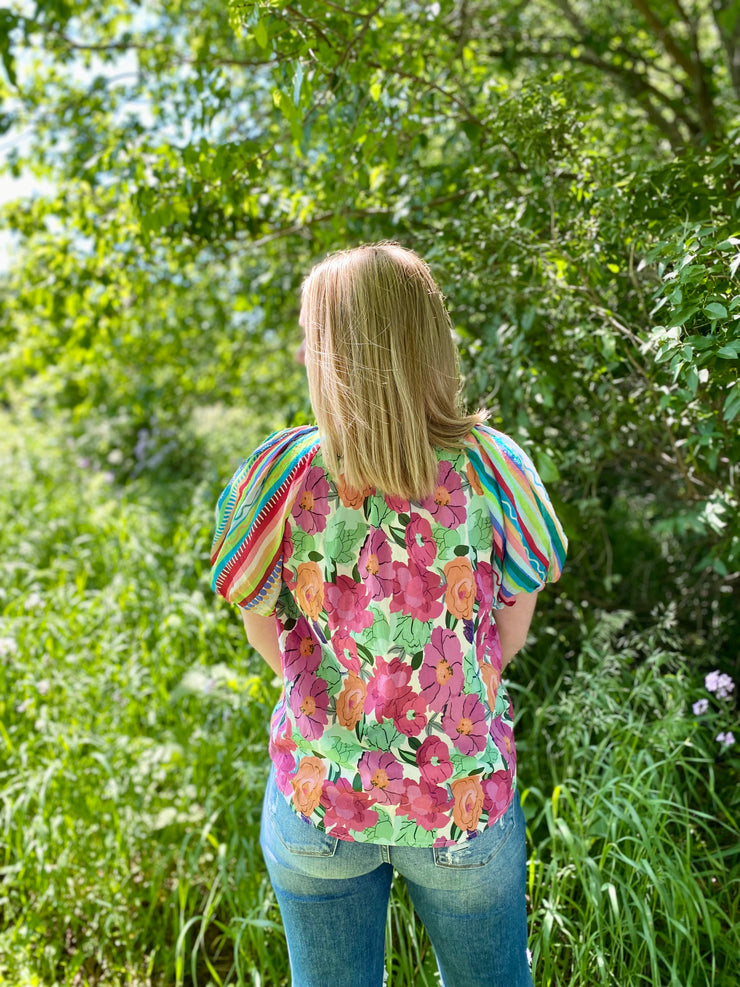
pixel 376 637
pixel 462 764
pixel 383 828
pixel 341 751
pixel 287 605
pixel 471 673
pixel 377 510
pixel 411 834
pixel 330 671
pixel 381 736
pixel 341 542
pixel 411 634
pixel 302 543
pixel 447 540
pixel 480 530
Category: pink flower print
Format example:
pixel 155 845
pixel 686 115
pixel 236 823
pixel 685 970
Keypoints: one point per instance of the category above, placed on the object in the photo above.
pixel 441 674
pixel 346 809
pixel 302 651
pixel 287 546
pixel 281 749
pixel 309 701
pixel 434 762
pixel 376 565
pixel 416 592
pixel 421 546
pixel 397 504
pixel 409 713
pixel 464 720
pixel 497 791
pixel 389 679
pixel 346 604
pixel 447 503
pixel 345 648
pixel 503 737
pixel 312 503
pixel 428 805
pixel 484 587
pixel 382 777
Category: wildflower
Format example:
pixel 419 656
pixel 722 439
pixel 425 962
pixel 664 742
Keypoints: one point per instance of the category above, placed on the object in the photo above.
pixel 84 463
pixel 726 739
pixel 720 683
pixel 700 706
pixel 43 687
pixel 34 601
pixel 8 646
pixel 725 686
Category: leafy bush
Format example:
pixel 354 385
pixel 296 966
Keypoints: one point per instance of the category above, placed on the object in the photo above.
pixel 134 731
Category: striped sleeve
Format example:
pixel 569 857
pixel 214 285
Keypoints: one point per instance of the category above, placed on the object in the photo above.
pixel 246 555
pixel 528 540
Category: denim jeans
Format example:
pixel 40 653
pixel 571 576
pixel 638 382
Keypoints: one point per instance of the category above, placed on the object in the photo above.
pixel 333 897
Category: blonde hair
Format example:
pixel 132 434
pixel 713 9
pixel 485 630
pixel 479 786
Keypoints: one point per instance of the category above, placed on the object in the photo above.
pixel 382 369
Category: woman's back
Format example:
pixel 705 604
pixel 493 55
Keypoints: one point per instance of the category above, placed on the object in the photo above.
pixel 393 726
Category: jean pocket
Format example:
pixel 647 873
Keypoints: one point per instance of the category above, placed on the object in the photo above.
pixel 481 849
pixel 295 833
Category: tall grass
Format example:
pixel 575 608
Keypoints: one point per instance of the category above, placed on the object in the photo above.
pixel 635 875
pixel 133 725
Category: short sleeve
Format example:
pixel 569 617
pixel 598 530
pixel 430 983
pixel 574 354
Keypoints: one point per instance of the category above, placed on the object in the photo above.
pixel 246 555
pixel 528 540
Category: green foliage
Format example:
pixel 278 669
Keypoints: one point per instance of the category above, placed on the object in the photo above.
pixel 631 811
pixel 133 761
pixel 571 172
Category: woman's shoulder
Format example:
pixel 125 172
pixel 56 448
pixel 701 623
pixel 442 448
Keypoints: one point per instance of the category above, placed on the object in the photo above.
pixel 496 446
pixel 288 442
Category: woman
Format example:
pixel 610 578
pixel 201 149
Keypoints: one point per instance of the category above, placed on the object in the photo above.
pixel 387 564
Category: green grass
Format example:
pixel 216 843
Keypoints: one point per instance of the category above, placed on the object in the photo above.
pixel 133 736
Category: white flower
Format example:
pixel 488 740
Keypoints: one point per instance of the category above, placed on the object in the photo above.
pixel 8 646
pixel 34 601
pixel 711 680
pixel 43 687
pixel 726 739
pixel 700 706
pixel 725 686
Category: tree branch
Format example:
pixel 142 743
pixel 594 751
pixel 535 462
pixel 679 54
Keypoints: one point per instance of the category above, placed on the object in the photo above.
pixel 692 66
pixel 635 83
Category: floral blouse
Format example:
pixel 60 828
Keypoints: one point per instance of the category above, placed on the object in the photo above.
pixel 393 725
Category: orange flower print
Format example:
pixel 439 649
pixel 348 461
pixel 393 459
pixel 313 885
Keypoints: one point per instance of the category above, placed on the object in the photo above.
pixel 473 479
pixel 491 680
pixel 351 701
pixel 351 497
pixel 468 795
pixel 306 783
pixel 460 592
pixel 309 589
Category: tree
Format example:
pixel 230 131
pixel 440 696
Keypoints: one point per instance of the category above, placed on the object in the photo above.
pixel 569 169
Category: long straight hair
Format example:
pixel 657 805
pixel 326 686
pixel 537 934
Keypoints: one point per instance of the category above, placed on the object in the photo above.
pixel 382 367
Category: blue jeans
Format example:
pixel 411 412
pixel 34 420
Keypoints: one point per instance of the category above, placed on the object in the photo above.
pixel 333 897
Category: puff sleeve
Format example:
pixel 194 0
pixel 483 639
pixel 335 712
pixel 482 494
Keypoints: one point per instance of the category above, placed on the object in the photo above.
pixel 246 554
pixel 529 543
